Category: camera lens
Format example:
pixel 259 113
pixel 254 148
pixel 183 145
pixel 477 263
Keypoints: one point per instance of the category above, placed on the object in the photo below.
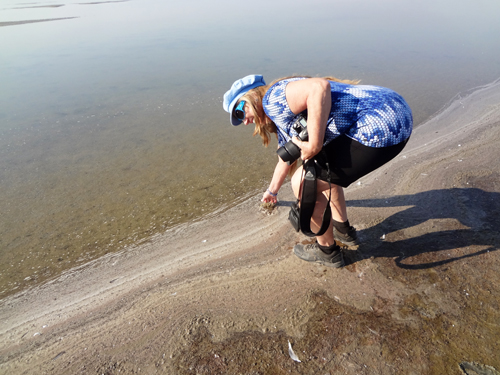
pixel 289 152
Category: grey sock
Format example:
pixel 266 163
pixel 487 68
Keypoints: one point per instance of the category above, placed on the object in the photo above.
pixel 342 227
pixel 328 249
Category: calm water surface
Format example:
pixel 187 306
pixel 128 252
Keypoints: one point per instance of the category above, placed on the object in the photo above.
pixel 111 120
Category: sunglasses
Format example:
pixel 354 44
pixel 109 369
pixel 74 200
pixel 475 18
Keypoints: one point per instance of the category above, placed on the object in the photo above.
pixel 239 111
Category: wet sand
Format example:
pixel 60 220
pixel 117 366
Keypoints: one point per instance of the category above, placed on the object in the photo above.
pixel 420 295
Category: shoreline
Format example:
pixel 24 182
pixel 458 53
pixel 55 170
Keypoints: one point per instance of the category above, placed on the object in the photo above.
pixel 232 278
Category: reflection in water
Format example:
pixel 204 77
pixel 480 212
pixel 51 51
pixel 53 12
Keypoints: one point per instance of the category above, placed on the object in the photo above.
pixel 111 123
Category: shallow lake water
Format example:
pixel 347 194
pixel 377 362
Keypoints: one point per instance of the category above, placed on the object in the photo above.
pixel 111 120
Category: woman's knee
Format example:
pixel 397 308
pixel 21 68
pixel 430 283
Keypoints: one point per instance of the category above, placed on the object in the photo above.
pixel 296 180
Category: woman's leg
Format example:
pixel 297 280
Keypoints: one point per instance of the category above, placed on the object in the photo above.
pixel 348 160
pixel 324 251
pixel 337 204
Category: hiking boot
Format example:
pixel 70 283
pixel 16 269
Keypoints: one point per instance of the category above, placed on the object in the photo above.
pixel 350 238
pixel 312 253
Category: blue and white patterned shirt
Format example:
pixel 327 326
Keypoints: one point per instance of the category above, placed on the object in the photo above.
pixel 374 116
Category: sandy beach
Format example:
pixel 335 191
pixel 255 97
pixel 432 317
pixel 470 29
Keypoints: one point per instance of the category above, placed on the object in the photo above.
pixel 226 295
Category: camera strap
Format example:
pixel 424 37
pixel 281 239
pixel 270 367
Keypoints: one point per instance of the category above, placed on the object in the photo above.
pixel 308 201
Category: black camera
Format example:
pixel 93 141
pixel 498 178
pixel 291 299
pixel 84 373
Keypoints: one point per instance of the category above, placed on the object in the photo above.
pixel 290 151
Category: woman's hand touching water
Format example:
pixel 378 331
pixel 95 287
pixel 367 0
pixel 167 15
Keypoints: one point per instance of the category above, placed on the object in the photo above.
pixel 269 197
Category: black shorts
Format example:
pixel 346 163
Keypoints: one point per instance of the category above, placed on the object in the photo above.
pixel 350 160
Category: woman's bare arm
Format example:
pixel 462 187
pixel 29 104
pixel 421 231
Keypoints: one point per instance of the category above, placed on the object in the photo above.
pixel 313 94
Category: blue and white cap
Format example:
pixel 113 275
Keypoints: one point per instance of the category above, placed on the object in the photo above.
pixel 237 90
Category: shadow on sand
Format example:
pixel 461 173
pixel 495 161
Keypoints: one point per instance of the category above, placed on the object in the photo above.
pixel 435 221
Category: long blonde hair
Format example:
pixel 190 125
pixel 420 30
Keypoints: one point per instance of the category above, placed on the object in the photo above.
pixel 263 124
